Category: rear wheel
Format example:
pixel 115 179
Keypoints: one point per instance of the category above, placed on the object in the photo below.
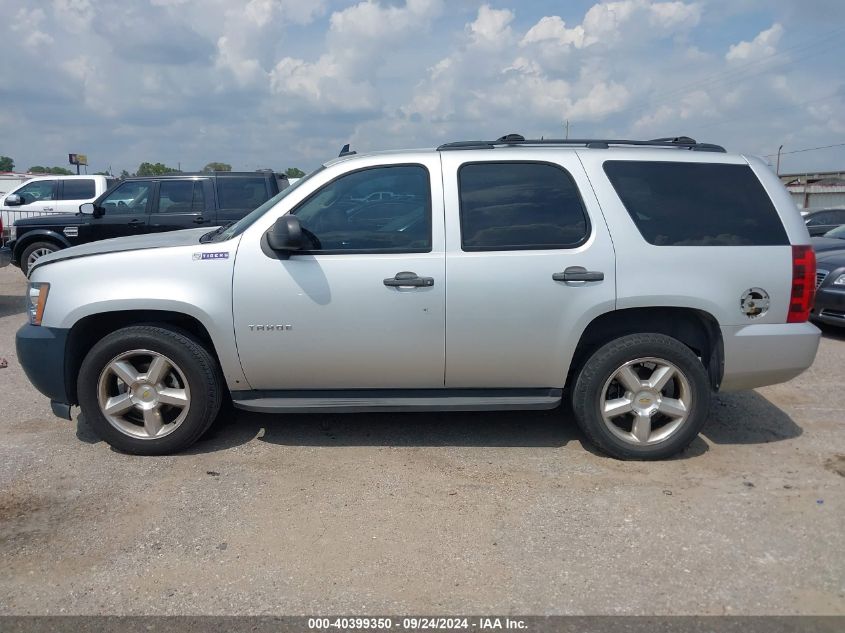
pixel 149 390
pixel 642 396
pixel 35 251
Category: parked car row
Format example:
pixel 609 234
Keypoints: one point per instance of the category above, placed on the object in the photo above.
pixel 133 206
pixel 505 274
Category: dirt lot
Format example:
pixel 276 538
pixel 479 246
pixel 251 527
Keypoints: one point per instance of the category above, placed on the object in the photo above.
pixel 423 513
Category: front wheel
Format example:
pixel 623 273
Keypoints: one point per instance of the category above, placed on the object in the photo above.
pixel 642 396
pixel 149 390
pixel 34 252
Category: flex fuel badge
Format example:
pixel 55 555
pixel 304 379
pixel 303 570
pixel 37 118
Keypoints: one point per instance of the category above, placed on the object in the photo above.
pixel 204 256
pixel 754 302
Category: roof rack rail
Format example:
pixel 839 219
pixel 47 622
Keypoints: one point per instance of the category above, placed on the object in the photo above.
pixel 677 142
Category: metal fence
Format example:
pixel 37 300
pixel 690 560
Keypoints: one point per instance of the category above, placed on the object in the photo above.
pixel 9 217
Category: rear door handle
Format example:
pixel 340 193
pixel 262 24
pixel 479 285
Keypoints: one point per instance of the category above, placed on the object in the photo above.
pixel 200 220
pixel 135 222
pixel 578 273
pixel 409 279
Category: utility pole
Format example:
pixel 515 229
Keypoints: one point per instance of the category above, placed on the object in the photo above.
pixel 777 168
pixel 566 125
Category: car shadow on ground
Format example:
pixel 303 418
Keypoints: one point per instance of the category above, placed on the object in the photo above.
pixel 831 331
pixel 11 304
pixel 735 418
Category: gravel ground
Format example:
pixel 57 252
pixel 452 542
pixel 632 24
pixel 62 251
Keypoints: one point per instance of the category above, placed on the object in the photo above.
pixel 426 513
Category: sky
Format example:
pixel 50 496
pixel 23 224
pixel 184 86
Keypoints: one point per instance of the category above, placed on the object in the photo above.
pixel 282 83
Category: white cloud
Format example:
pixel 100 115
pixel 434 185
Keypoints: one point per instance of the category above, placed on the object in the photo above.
pixel 236 81
pixel 74 15
pixel 491 26
pixel 764 45
pixel 28 24
pixel 553 29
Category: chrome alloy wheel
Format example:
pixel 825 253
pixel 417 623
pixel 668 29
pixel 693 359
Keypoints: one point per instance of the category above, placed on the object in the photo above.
pixel 37 254
pixel 143 394
pixel 645 401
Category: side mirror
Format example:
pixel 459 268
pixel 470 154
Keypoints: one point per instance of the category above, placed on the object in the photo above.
pixel 285 234
pixel 14 200
pixel 87 208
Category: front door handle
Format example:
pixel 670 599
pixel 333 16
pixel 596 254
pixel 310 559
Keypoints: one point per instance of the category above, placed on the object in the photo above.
pixel 135 222
pixel 578 273
pixel 200 220
pixel 46 208
pixel 409 279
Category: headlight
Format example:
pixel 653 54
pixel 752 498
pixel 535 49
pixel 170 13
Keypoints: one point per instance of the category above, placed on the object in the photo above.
pixel 36 296
pixel 839 281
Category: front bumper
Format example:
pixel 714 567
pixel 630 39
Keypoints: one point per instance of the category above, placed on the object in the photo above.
pixel 830 301
pixel 767 353
pixel 41 353
pixel 5 256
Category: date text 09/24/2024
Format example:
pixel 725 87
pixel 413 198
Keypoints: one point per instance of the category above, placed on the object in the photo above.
pixel 417 623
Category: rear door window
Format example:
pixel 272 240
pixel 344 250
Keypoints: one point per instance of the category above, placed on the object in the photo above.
pixel 696 204
pixel 78 189
pixel 519 206
pixel 180 196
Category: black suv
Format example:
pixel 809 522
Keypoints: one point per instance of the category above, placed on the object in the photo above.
pixel 147 205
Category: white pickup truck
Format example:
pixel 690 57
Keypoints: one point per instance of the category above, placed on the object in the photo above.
pixel 43 195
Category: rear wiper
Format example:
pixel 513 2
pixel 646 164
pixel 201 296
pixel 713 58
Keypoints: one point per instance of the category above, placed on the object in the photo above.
pixel 208 237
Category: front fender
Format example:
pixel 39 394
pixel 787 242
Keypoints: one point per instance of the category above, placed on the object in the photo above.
pixel 35 235
pixel 166 279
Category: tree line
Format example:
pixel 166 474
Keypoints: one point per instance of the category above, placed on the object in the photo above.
pixel 144 169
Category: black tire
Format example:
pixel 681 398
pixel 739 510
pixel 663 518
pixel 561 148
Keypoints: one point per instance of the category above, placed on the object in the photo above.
pixel 197 365
pixel 603 363
pixel 29 250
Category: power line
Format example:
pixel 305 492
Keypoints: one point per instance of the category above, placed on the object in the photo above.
pixel 808 149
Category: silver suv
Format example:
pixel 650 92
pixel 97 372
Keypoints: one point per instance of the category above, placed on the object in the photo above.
pixel 629 279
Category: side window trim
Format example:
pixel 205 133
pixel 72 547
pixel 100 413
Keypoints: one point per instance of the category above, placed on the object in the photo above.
pixel 588 232
pixel 374 251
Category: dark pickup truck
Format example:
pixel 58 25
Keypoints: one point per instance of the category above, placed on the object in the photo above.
pixel 145 205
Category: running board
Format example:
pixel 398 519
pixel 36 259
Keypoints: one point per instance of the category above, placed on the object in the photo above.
pixel 395 400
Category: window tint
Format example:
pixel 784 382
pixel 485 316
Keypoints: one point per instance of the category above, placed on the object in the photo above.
pixel 129 198
pixel 37 191
pixel 78 189
pixel 696 204
pixel 242 193
pixel 511 206
pixel 342 217
pixel 180 196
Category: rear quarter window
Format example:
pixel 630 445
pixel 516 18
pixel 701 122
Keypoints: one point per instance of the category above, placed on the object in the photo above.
pixel 696 204
pixel 78 189
pixel 242 193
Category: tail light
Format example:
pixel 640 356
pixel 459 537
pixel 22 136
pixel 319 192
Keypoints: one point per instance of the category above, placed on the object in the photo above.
pixel 803 284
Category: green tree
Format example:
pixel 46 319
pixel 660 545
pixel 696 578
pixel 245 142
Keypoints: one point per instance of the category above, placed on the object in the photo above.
pixel 217 167
pixel 294 172
pixel 6 163
pixel 57 171
pixel 124 173
pixel 155 169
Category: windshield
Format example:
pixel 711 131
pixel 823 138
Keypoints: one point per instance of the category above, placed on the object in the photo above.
pixel 248 220
pixel 839 232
